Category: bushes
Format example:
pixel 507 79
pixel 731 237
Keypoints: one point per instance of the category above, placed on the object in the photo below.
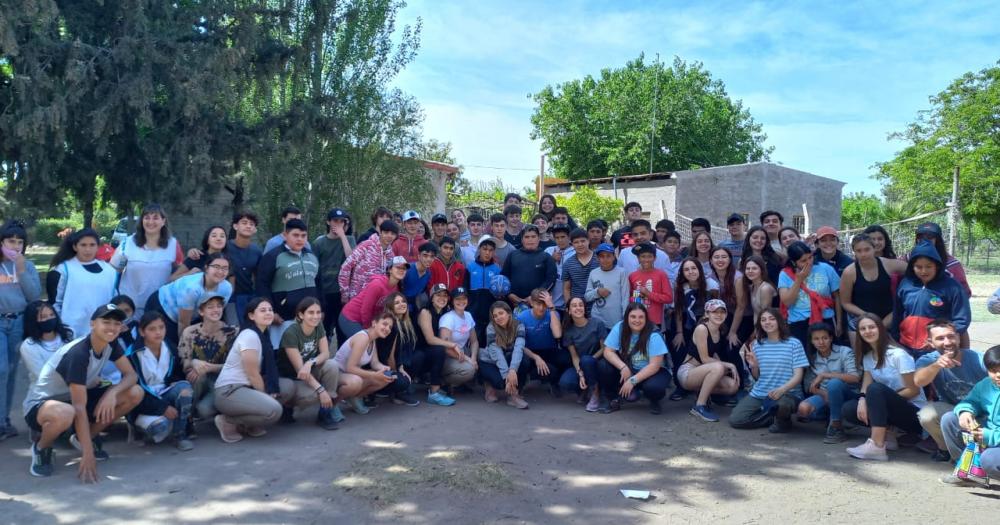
pixel 45 231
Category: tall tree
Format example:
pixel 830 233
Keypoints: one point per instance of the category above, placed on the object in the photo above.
pixel 601 127
pixel 960 129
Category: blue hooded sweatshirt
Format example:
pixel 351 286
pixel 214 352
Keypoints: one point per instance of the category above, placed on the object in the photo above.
pixel 917 304
pixel 984 403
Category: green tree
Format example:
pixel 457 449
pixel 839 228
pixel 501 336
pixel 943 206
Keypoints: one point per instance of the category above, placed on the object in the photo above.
pixel 861 209
pixel 586 205
pixel 601 127
pixel 961 128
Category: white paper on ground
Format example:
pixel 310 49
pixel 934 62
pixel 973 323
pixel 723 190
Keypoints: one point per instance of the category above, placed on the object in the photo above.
pixel 635 494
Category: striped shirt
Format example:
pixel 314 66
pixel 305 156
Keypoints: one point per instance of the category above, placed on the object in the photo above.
pixel 778 361
pixel 577 274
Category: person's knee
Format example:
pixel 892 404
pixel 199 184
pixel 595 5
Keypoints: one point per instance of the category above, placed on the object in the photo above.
pixel 876 389
pixel 929 416
pixel 805 409
pixel 58 416
pixel 350 386
pixel 835 384
pixel 133 396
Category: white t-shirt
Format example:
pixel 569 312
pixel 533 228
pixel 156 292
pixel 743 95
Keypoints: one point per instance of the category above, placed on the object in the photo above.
pixel 897 362
pixel 232 371
pixel 461 327
pixel 344 352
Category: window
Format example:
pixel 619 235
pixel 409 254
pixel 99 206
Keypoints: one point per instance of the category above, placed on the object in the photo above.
pixel 799 223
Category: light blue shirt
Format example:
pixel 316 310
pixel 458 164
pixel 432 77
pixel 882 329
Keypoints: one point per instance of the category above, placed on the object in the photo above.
pixel 823 279
pixel 184 294
pixel 954 384
pixel 777 363
pixel 655 347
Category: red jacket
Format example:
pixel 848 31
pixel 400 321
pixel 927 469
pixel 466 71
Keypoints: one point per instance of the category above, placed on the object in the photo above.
pixel 451 276
pixel 407 247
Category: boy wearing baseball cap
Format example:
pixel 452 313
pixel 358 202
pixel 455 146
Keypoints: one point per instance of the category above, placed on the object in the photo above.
pixel 69 393
pixel 607 287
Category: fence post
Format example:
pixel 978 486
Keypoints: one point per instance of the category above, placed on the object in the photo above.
pixel 953 213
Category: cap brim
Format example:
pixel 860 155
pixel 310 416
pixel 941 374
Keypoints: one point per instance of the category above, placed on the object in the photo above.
pixel 117 315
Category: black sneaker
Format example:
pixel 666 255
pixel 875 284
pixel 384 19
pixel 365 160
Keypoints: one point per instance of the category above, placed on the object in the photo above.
pixel 287 415
pixel 555 390
pixel 780 426
pixel 678 394
pixel 99 453
pixel 406 398
pixel 654 407
pixel 941 455
pixel 41 461
pixel 608 407
pixel 326 420
pixel 834 435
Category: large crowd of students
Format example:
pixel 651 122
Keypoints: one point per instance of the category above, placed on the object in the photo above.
pixel 776 327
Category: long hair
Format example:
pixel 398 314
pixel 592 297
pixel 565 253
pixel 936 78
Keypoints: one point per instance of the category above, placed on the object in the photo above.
pixel 406 330
pixel 14 228
pixel 506 335
pixel 701 293
pixel 795 252
pixel 34 332
pixel 861 347
pixel 747 283
pixel 888 252
pixel 727 283
pixel 204 238
pixel 67 248
pixel 783 331
pixel 693 249
pixel 543 198
pixel 568 319
pixel 140 232
pixel 641 346
pixel 767 253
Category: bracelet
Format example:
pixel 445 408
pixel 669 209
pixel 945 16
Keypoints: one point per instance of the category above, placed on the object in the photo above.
pixel 320 390
pixel 623 368
pixel 861 395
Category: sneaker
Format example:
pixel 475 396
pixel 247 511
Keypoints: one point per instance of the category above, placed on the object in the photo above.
pixel 941 455
pixel 405 398
pixel 582 397
pixel 594 404
pixel 927 445
pixel 517 402
pixel 440 399
pixel 324 418
pixel 955 481
pixel 869 450
pixel 555 390
pixel 358 406
pixel 678 394
pixel 255 432
pixel 705 413
pixel 491 396
pixel 608 407
pixel 156 428
pixel 287 415
pixel 229 432
pixel 336 413
pixel 184 444
pixel 8 432
pixel 99 453
pixel 834 435
pixel 654 407
pixel 41 461
pixel 780 426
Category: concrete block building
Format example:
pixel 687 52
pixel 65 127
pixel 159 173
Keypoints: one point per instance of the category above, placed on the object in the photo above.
pixel 715 193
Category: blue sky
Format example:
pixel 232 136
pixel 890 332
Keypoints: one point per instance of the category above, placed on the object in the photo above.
pixel 828 81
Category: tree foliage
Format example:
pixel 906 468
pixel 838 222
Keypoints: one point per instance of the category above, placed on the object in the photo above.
pixel 586 205
pixel 961 128
pixel 601 127
pixel 859 210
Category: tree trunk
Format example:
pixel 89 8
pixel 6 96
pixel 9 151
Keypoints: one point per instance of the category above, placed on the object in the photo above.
pixel 88 211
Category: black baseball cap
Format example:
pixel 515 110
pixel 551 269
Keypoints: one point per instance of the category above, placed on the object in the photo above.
pixel 735 217
pixel 559 227
pixel 109 311
pixel 459 292
pixel 439 217
pixel 644 248
pixel 336 213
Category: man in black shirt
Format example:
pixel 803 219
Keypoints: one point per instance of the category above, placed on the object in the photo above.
pixel 633 212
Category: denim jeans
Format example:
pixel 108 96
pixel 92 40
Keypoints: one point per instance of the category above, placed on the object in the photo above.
pixel 838 393
pixel 570 380
pixel 653 387
pixel 990 458
pixel 183 405
pixel 11 334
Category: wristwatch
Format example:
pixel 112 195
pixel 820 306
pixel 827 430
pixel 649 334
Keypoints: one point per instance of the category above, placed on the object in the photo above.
pixel 632 380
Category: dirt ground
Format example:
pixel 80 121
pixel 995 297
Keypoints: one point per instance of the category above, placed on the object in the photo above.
pixel 479 463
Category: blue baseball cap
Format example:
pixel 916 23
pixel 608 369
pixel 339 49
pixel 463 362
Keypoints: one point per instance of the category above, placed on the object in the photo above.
pixel 605 248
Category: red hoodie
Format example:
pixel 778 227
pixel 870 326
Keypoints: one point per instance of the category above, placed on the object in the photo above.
pixel 407 247
pixel 451 276
pixel 655 282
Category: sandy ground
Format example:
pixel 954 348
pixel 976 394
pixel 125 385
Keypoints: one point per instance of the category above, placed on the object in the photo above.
pixel 479 463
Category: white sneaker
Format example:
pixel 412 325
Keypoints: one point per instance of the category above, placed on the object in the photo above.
pixel 869 450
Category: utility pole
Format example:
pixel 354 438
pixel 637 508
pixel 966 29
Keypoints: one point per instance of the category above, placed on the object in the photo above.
pixel 656 103
pixel 540 189
pixel 953 213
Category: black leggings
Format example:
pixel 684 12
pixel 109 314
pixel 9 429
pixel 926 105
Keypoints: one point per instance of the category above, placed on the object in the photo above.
pixel 885 408
pixel 653 387
pixel 558 361
pixel 428 360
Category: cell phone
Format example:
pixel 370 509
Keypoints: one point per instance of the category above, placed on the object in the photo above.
pixel 388 373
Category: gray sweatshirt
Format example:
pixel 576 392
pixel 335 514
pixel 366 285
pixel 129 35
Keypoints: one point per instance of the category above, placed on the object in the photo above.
pixel 494 353
pixel 610 309
pixel 18 289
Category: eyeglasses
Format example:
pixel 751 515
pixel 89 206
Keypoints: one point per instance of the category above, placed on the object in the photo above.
pixel 219 267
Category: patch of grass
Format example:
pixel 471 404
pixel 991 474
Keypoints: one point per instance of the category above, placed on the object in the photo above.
pixel 40 257
pixel 384 476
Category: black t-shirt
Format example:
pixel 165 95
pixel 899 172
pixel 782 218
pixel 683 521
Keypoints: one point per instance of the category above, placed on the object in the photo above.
pixel 81 364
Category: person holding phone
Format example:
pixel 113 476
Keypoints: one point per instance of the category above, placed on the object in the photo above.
pixel 703 370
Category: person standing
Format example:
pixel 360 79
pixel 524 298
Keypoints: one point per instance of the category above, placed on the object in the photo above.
pixel 498 227
pixel 642 233
pixel 244 255
pixel 19 285
pixel 529 268
pixel 409 242
pixel 577 267
pixel 828 249
pixel 607 288
pixel 287 214
pixel 466 235
pixel 470 246
pixel 332 249
pixel 369 259
pixel 737 234
pixel 446 268
pixel 82 281
pixel 287 275
pixel 561 252
pixel 515 227
pixel 439 228
pixel 633 212
pixel 147 258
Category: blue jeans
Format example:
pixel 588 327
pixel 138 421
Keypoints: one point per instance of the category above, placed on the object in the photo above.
pixel 11 334
pixel 570 380
pixel 838 393
pixel 183 404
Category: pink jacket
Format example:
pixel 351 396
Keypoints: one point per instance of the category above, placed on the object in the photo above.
pixel 366 261
pixel 363 307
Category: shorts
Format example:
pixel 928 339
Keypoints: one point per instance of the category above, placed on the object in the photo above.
pixel 683 372
pixel 94 396
pixel 821 411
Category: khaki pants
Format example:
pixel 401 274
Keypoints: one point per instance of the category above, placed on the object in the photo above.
pixel 454 373
pixel 242 405
pixel 930 418
pixel 297 393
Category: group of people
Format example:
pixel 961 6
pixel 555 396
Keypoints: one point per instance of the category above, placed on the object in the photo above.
pixel 777 327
